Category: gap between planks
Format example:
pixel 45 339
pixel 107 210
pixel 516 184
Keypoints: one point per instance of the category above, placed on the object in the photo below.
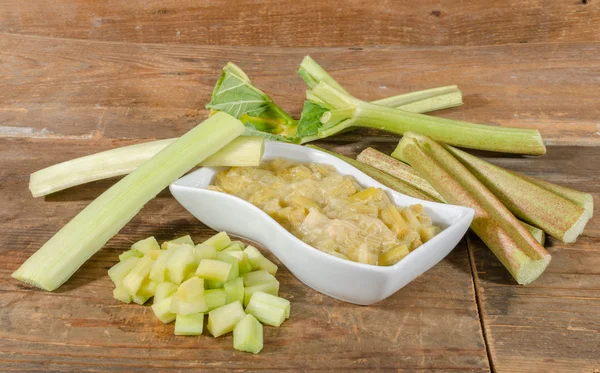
pixel 478 305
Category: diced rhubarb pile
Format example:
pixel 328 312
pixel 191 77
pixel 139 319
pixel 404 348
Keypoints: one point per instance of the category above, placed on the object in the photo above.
pixel 235 285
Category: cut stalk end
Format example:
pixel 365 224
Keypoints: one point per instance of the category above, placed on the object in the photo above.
pixel 312 73
pixel 530 269
pixel 332 96
pixel 29 278
pixel 577 228
pixel 333 117
pixel 425 100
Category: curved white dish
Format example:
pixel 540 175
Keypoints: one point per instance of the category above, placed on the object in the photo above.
pixel 342 279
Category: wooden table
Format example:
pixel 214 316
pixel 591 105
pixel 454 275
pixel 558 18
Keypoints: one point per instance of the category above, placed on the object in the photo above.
pixel 77 77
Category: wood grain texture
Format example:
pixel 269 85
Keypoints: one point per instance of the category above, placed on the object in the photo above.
pixel 84 89
pixel 289 23
pixel 432 324
pixel 553 324
pixel 77 77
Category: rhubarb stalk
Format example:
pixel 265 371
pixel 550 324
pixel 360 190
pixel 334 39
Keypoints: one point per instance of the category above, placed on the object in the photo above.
pixel 514 246
pixel 87 232
pixel 353 112
pixel 404 172
pixel 582 199
pixel 346 111
pixel 557 216
pixel 399 170
pixel 243 151
pixel 380 176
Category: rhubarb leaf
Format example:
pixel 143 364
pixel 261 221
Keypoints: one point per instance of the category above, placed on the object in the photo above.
pixel 310 119
pixel 235 94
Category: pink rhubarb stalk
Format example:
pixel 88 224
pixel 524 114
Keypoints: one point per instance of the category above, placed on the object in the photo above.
pixel 385 179
pixel 404 172
pixel 557 216
pixel 514 246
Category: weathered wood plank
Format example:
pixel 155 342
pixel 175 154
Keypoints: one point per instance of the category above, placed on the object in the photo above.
pixel 291 23
pixel 56 87
pixel 553 324
pixel 432 324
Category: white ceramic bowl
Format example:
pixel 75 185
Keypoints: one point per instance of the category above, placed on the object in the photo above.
pixel 342 279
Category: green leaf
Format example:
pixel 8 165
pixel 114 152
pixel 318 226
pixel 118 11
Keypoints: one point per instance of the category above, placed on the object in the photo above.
pixel 235 94
pixel 310 119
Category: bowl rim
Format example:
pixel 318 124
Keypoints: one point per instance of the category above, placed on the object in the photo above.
pixel 462 213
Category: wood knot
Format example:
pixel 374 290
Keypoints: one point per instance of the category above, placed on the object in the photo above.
pixel 436 13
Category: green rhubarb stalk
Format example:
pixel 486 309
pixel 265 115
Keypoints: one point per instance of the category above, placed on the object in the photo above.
pixel 514 246
pixel 557 216
pixel 349 111
pixel 424 101
pixel 389 181
pixel 241 152
pixel 407 174
pixel 417 102
pixel 346 111
pixel 83 236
